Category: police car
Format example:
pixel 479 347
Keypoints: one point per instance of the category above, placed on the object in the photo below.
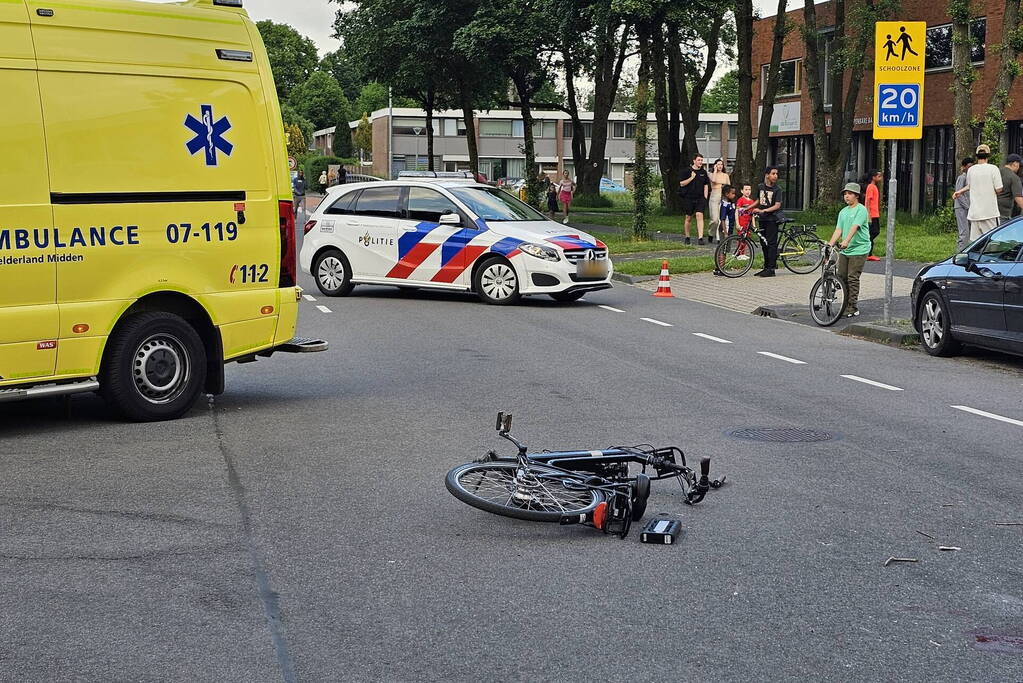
pixel 448 233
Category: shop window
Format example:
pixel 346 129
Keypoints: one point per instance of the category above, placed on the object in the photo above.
pixel 789 77
pixel 939 45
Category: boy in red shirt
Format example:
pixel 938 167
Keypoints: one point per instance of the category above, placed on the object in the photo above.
pixel 742 207
pixel 873 202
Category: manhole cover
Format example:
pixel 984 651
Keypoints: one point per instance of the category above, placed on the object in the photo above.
pixel 780 434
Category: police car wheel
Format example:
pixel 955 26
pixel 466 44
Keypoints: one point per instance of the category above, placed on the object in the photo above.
pixel 333 273
pixel 154 367
pixel 496 283
pixel 565 297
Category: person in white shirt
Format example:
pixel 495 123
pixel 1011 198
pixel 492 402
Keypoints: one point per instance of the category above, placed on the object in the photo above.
pixel 983 182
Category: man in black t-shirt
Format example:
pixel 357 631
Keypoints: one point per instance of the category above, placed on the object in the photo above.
pixel 769 201
pixel 693 190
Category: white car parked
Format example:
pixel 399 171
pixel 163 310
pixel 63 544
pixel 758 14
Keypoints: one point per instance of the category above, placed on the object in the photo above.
pixel 447 234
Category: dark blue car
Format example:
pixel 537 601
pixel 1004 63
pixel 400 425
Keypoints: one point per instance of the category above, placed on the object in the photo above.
pixel 974 297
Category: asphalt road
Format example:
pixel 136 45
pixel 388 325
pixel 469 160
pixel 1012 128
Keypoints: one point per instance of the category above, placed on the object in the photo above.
pixel 297 528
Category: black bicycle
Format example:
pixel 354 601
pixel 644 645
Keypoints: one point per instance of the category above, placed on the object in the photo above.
pixel 829 294
pixel 799 248
pixel 594 488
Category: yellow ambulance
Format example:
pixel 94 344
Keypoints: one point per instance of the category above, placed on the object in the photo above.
pixel 147 234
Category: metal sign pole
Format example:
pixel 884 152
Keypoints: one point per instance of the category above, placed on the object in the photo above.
pixel 889 242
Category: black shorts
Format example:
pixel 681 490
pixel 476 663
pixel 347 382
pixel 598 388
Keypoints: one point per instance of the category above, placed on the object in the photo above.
pixel 693 205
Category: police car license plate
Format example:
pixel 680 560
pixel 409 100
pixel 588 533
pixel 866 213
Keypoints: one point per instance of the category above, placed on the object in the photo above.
pixel 592 269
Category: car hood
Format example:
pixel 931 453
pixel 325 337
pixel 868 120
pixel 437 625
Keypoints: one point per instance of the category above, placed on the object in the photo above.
pixel 545 231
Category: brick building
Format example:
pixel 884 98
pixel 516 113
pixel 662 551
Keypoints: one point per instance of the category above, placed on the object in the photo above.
pixel 927 168
pixel 499 136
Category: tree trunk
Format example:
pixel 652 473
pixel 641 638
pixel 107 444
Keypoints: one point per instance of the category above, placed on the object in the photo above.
pixel 669 152
pixel 578 134
pixel 1008 52
pixel 523 86
pixel 640 171
pixel 743 171
pixel 465 95
pixel 770 92
pixel 610 60
pixel 963 76
pixel 430 101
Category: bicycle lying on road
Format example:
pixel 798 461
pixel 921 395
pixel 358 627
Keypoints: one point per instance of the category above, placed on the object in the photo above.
pixel 587 487
pixel 829 293
pixel 799 250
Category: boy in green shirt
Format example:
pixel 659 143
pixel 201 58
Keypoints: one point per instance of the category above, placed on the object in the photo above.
pixel 853 229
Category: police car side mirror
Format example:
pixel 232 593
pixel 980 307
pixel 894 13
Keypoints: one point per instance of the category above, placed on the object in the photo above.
pixel 450 219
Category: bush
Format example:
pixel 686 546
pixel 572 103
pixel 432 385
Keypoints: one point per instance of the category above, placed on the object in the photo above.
pixel 316 165
pixel 942 221
pixel 589 201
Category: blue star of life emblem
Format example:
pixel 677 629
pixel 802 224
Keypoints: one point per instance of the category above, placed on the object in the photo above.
pixel 209 135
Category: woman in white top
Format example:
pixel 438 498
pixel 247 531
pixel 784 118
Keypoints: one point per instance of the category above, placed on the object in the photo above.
pixel 718 179
pixel 566 190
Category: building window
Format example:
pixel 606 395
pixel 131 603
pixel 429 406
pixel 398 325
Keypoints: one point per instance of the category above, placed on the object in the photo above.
pixel 939 45
pixel 491 128
pixel 518 129
pixel 733 131
pixel 453 127
pixel 709 131
pixel 788 74
pixel 825 47
pixel 940 166
pixel 587 130
pixel 408 126
pixel 787 153
pixel 618 130
pixel 544 129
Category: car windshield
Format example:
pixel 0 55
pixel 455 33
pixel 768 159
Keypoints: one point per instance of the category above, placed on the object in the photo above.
pixel 492 204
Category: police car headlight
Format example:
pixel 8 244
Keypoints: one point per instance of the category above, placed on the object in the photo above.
pixel 539 251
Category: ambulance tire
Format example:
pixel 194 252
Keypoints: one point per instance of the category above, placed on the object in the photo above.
pixel 496 283
pixel 154 367
pixel 336 278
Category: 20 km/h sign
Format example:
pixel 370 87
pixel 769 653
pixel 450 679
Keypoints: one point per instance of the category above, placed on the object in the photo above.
pixel 899 79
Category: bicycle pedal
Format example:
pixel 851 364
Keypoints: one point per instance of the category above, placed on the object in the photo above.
pixel 661 531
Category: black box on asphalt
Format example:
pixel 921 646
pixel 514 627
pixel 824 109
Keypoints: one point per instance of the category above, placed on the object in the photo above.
pixel 662 531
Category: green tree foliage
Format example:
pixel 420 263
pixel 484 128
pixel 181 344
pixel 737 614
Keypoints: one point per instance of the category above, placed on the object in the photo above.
pixel 723 96
pixel 293 57
pixel 343 145
pixel 292 117
pixel 320 100
pixel 345 71
pixel 295 140
pixel 372 96
pixel 364 136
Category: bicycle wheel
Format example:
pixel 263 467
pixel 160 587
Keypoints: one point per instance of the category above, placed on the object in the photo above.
pixel 802 252
pixel 734 256
pixel 827 300
pixel 536 494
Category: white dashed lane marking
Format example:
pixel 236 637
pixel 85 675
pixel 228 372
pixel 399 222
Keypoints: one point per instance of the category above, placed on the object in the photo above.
pixel 308 298
pixel 611 308
pixel 879 385
pixel 719 340
pixel 324 309
pixel 657 322
pixel 1009 420
pixel 784 358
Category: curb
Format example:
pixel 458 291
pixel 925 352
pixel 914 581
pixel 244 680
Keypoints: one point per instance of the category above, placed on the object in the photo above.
pixel 881 333
pixel 631 279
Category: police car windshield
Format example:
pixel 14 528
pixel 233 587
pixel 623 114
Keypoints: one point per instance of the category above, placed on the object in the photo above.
pixel 492 204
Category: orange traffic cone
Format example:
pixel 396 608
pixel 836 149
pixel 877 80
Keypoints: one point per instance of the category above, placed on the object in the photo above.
pixel 664 284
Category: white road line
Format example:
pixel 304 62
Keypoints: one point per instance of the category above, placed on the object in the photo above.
pixel 967 409
pixel 657 322
pixel 611 308
pixel 308 298
pixel 719 340
pixel 324 309
pixel 872 383
pixel 784 358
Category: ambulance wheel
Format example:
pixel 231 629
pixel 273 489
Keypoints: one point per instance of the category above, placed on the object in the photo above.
pixel 496 282
pixel 333 273
pixel 154 367
pixel 565 297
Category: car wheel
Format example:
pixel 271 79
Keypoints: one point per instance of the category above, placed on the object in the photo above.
pixel 565 297
pixel 333 273
pixel 496 283
pixel 935 326
pixel 154 367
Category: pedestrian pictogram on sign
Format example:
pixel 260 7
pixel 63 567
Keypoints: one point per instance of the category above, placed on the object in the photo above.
pixel 899 80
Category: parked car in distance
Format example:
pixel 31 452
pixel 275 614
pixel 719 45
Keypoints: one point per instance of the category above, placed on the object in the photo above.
pixel 508 182
pixel 608 185
pixel 974 297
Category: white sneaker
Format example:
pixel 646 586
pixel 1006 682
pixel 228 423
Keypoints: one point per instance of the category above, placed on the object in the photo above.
pixel 565 222
pixel 743 257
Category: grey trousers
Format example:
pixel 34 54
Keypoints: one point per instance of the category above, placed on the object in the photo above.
pixel 963 226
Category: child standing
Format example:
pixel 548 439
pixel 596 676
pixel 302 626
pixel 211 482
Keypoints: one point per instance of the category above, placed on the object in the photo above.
pixel 742 207
pixel 726 215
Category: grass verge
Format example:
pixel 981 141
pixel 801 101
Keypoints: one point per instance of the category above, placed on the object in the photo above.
pixel 617 244
pixel 683 264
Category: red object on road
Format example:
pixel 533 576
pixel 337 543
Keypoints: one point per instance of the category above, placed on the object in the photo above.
pixel 664 283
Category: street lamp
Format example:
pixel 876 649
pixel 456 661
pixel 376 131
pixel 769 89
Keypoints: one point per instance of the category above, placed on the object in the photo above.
pixel 417 131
